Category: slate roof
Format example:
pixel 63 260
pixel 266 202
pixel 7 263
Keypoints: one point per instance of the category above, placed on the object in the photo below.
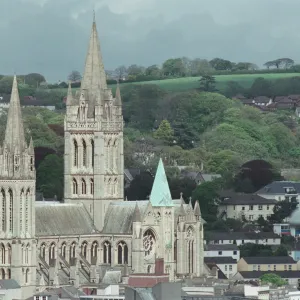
pixel 277 187
pixel 220 260
pixel 215 235
pixel 258 274
pixel 221 247
pixel 62 219
pixel 9 284
pixel 112 277
pixel 246 199
pixel 268 260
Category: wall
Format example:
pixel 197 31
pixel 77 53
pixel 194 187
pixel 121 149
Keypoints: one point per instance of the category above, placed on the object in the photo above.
pixel 224 253
pixel 228 269
pixel 276 241
pixel 243 266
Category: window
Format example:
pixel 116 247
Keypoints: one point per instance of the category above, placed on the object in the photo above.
pixel 93 152
pixel 274 267
pixel 260 207
pixel 269 267
pixel 225 267
pixel 230 267
pixel 234 207
pixel 10 210
pixel 290 267
pixel 243 241
pixel 83 186
pixel 122 253
pixel 243 207
pixel 220 253
pixel 251 217
pixel 254 267
pixel 258 268
pixel 75 146
pixel 107 253
pixel 268 207
pixel 234 252
pixel 285 267
pixel 83 153
pixel 3 210
pixel 92 186
pixel 75 187
pixel 250 207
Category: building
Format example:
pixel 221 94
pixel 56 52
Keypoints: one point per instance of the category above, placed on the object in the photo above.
pixel 222 250
pixel 280 190
pixel 10 289
pixel 239 238
pixel 282 229
pixel 269 263
pixel 46 244
pixel 111 292
pixel 227 265
pixel 245 207
pixel 199 177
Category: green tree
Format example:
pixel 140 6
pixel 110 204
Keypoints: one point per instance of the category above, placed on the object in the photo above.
pixel 281 251
pixel 165 132
pixel 50 176
pixel 173 67
pixel 34 79
pixel 283 209
pixel 221 64
pixel 208 83
pixel 153 70
pixel 249 250
pixel 272 279
pixel 261 87
pixel 74 76
pixel 186 186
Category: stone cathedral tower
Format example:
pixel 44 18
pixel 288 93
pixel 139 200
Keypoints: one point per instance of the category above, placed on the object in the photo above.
pixel 94 164
pixel 17 204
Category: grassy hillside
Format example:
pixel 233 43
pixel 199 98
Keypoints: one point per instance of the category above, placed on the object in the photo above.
pixel 188 83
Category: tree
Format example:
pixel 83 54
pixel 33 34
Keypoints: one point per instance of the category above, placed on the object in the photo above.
pixel 50 176
pixel 121 72
pixel 200 67
pixel 245 66
pixel 208 83
pixel 74 76
pixel 261 87
pixel 135 70
pixel 280 62
pixel 173 67
pixel 272 279
pixel 281 251
pixel 153 70
pixel 186 186
pixel 250 250
pixel 221 64
pixel 34 79
pixel 283 209
pixel 165 132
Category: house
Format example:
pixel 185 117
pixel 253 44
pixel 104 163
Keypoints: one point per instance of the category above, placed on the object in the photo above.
pixel 240 238
pixel 280 190
pixel 10 289
pixel 292 277
pixel 111 292
pixel 227 265
pixel 59 293
pixel 295 251
pixel 222 250
pixel 282 229
pixel 245 206
pixel 199 177
pixel 262 100
pixel 267 263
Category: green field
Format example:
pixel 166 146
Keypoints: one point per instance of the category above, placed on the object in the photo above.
pixel 188 83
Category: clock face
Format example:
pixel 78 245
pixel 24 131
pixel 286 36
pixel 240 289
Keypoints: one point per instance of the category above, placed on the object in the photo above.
pixel 149 244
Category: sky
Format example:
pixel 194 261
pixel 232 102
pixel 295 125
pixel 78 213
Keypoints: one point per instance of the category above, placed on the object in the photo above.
pixel 51 36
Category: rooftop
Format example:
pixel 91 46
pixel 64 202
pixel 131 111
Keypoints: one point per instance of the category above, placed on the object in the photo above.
pixel 220 260
pixel 220 247
pixel 279 187
pixel 216 235
pixel 245 199
pixel 265 260
pixel 258 274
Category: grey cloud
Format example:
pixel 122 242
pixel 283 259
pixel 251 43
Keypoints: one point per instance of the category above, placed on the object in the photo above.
pixel 52 38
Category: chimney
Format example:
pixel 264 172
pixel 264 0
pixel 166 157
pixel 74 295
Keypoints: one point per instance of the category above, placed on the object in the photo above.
pixel 159 266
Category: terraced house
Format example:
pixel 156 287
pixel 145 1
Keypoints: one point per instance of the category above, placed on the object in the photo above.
pixel 75 242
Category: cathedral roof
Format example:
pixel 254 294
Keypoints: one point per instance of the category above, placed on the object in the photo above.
pixel 160 193
pixel 62 219
pixel 14 134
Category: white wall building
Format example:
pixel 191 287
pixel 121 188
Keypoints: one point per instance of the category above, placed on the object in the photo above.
pixel 222 250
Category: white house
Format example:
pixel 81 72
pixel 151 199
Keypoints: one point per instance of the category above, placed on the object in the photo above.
pixel 245 206
pixel 227 265
pixel 222 250
pixel 240 238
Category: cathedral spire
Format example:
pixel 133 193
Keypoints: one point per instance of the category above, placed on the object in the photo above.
pixel 118 95
pixel 94 77
pixel 69 95
pixel 160 193
pixel 197 210
pixel 30 146
pixel 137 214
pixel 14 135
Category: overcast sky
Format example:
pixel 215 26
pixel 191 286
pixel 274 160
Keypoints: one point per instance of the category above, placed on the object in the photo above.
pixel 51 36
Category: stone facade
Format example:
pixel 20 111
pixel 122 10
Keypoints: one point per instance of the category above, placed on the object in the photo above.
pixel 53 244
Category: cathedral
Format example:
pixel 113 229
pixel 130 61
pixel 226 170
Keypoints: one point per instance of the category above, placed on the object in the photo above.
pixel 46 244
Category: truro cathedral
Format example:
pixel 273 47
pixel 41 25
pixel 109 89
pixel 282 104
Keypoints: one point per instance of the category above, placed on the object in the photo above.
pixel 47 244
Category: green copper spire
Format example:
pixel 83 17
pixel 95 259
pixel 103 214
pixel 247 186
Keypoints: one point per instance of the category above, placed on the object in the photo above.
pixel 160 194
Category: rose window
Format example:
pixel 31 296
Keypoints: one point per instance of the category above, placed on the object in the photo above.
pixel 149 243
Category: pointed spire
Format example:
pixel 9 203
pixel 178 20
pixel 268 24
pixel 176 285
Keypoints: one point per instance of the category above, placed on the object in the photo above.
pixel 181 211
pixel 137 214
pixel 190 203
pixel 197 210
pixel 30 146
pixel 69 95
pixel 94 77
pixel 14 134
pixel 118 101
pixel 160 193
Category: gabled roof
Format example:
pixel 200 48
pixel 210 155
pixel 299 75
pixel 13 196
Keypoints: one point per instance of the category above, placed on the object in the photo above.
pixel 216 235
pixel 245 199
pixel 160 193
pixel 278 187
pixel 266 260
pixel 220 260
pixel 62 219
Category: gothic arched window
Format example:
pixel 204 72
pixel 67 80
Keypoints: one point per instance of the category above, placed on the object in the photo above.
pixel 9 274
pixel 63 250
pixel 3 210
pixel 149 243
pixel 92 186
pixel 2 272
pixel 43 251
pixel 10 193
pixel 84 249
pixel 27 210
pixel 21 210
pixel 122 253
pixel 75 187
pixel 27 275
pixel 93 152
pixel 84 153
pixel 94 249
pixel 73 250
pixel 75 153
pixel 8 253
pixel 107 252
pixel 27 254
pixel 2 254
pixel 52 251
pixel 83 186
pixel 190 249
